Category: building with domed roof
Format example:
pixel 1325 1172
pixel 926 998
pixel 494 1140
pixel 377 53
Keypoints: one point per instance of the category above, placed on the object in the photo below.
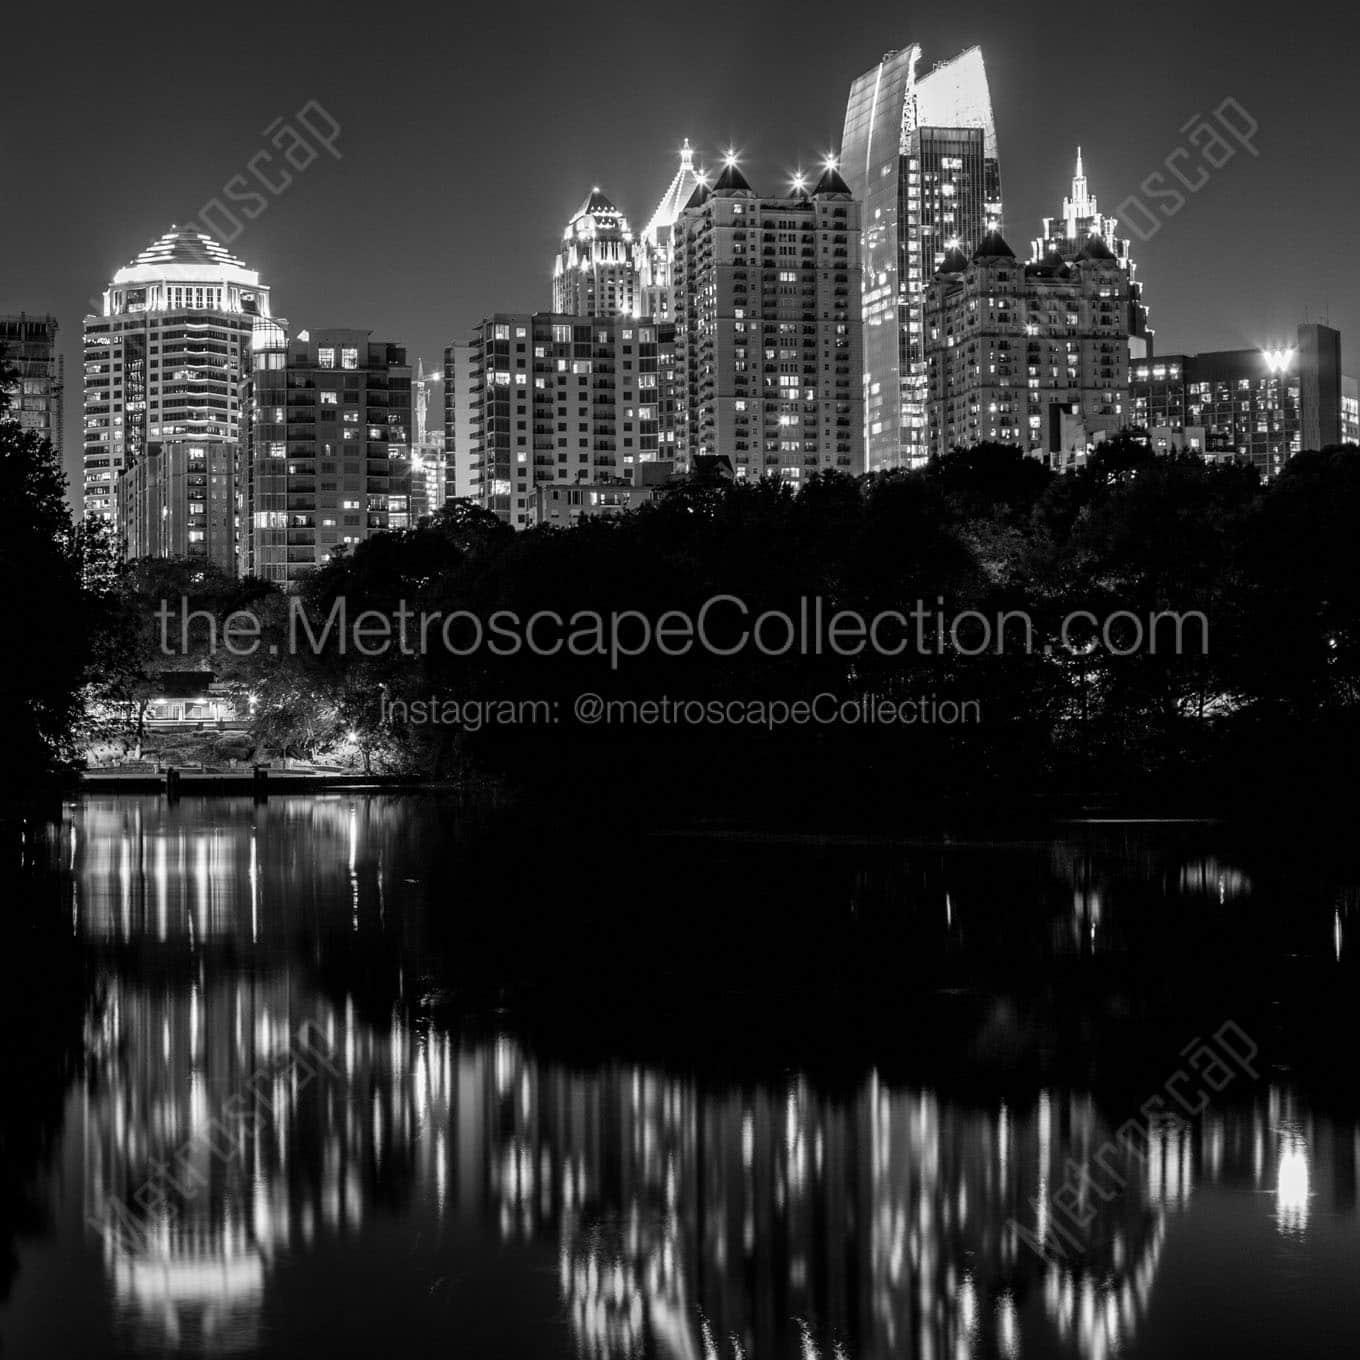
pixel 596 272
pixel 168 361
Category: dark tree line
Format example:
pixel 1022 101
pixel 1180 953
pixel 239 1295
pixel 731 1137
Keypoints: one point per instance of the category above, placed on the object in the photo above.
pixel 1264 711
pixel 1265 715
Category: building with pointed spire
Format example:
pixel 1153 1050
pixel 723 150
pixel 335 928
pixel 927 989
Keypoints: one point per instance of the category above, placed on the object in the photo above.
pixel 920 155
pixel 429 462
pixel 658 235
pixel 1035 355
pixel 597 268
pixel 768 347
pixel 1065 236
pixel 168 362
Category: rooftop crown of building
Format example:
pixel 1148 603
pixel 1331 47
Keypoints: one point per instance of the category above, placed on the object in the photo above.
pixel 598 215
pixel 186 254
pixel 732 183
pixel 677 196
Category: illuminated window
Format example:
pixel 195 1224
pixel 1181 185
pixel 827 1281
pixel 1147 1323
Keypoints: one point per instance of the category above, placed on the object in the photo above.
pixel 349 357
pixel 325 358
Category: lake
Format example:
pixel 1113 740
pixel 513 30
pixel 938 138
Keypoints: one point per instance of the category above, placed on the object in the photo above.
pixel 372 1075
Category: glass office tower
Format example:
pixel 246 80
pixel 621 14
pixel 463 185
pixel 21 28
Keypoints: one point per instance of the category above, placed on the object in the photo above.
pixel 919 153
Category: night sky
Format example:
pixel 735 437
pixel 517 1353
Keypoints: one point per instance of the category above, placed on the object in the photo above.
pixel 469 135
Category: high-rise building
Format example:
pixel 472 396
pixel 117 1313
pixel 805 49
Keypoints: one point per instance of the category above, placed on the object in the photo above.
pixel 569 399
pixel 1350 411
pixel 769 364
pixel 920 156
pixel 37 372
pixel 168 357
pixel 329 450
pixel 658 235
pixel 1260 406
pixel 179 500
pixel 1066 235
pixel 597 270
pixel 463 478
pixel 1035 355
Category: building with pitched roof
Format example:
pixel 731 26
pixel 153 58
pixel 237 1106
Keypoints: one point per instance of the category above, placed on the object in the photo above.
pixel 658 235
pixel 1080 221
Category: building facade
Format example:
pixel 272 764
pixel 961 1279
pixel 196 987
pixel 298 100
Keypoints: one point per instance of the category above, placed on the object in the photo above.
pixel 920 156
pixel 597 270
pixel 1066 235
pixel 179 500
pixel 1260 406
pixel 566 399
pixel 1034 355
pixel 168 357
pixel 37 373
pixel 769 357
pixel 329 456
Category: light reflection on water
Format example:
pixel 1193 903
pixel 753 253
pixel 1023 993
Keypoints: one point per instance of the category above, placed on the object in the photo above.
pixel 686 1218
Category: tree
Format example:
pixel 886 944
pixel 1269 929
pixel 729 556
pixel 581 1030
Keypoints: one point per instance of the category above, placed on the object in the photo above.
pixel 51 618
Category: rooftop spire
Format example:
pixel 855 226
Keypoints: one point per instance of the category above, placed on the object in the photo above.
pixel 676 198
pixel 1080 200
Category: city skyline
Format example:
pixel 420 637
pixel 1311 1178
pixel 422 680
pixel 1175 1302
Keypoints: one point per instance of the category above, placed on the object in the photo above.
pixel 435 270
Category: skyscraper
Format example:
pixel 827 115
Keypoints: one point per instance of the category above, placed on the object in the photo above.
pixel 920 156
pixel 769 366
pixel 596 271
pixel 28 348
pixel 657 237
pixel 330 450
pixel 1066 235
pixel 168 357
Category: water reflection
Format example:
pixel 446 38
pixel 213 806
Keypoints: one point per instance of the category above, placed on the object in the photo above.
pixel 688 1218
